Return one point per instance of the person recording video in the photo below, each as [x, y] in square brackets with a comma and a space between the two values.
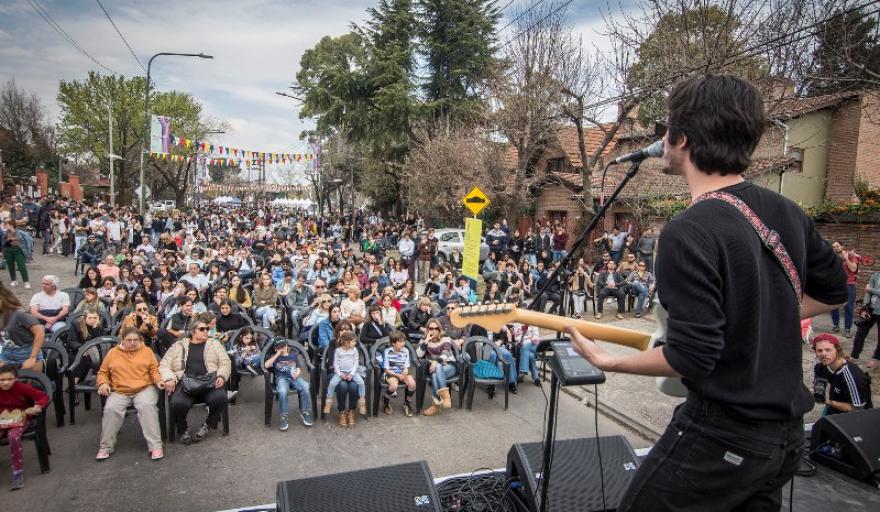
[840, 385]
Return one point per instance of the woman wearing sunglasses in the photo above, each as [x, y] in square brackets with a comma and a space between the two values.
[142, 320]
[195, 369]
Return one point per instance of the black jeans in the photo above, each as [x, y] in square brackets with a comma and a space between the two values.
[606, 292]
[709, 459]
[181, 403]
[862, 333]
[346, 391]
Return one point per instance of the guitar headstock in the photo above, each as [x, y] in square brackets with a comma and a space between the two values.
[488, 316]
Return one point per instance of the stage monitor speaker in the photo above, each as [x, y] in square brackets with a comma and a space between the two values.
[575, 482]
[403, 487]
[849, 443]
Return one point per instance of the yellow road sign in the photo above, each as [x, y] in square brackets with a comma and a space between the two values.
[475, 200]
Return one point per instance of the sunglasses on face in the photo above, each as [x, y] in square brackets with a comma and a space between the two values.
[141, 310]
[201, 329]
[433, 328]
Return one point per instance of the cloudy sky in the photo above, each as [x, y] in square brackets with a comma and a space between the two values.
[256, 46]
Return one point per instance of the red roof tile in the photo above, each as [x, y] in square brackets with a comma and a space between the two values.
[793, 107]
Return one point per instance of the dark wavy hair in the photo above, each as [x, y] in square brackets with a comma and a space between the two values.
[722, 117]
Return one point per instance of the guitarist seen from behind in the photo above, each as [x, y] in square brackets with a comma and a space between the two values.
[734, 307]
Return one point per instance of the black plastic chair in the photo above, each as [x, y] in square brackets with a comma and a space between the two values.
[269, 379]
[36, 430]
[476, 349]
[376, 354]
[87, 385]
[262, 337]
[76, 296]
[168, 420]
[76, 317]
[326, 374]
[422, 384]
[56, 363]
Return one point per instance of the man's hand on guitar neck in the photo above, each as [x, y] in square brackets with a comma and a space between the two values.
[651, 362]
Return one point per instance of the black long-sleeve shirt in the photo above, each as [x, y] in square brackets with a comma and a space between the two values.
[734, 321]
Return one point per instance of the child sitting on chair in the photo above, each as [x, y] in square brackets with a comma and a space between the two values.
[345, 367]
[395, 367]
[245, 351]
[18, 401]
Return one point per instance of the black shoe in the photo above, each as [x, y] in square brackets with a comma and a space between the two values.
[512, 388]
[491, 391]
[537, 382]
[186, 438]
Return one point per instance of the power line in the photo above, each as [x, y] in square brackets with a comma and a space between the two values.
[533, 25]
[141, 64]
[539, 2]
[64, 35]
[740, 55]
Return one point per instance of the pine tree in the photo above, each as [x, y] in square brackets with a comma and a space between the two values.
[848, 55]
[457, 44]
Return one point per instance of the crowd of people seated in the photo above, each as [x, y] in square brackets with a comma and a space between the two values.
[190, 298]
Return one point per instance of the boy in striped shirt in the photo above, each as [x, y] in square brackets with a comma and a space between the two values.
[395, 365]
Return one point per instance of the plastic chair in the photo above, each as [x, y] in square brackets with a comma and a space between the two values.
[262, 337]
[326, 371]
[76, 317]
[269, 379]
[76, 296]
[56, 362]
[169, 427]
[87, 385]
[376, 353]
[36, 430]
[476, 349]
[422, 384]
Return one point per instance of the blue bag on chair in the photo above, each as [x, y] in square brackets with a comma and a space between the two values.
[486, 370]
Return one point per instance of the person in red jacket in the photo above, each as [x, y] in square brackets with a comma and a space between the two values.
[18, 402]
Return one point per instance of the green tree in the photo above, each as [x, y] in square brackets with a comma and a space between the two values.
[458, 46]
[689, 39]
[847, 56]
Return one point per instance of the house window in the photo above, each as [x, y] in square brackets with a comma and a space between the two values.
[556, 165]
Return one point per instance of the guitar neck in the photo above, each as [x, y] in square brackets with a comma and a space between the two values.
[617, 335]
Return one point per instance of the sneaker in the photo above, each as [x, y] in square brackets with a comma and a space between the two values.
[598, 316]
[201, 433]
[186, 438]
[619, 316]
[230, 395]
[282, 423]
[103, 454]
[13, 284]
[537, 382]
[835, 328]
[27, 286]
[17, 480]
[387, 409]
[491, 391]
[847, 334]
[306, 418]
[407, 409]
[638, 315]
[362, 406]
[512, 388]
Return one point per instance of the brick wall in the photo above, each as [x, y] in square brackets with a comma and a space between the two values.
[863, 238]
[868, 161]
[843, 149]
[42, 182]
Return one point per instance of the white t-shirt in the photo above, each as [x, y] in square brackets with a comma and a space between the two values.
[46, 302]
[114, 229]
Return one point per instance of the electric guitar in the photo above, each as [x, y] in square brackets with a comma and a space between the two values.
[494, 316]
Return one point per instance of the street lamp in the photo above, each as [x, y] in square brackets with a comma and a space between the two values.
[111, 157]
[147, 114]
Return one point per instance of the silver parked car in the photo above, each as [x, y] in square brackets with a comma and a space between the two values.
[450, 239]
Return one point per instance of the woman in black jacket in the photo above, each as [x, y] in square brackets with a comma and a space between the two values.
[90, 279]
[374, 328]
[87, 327]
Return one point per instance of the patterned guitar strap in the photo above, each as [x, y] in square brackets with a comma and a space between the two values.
[769, 238]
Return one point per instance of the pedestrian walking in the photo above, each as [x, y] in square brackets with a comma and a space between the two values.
[14, 254]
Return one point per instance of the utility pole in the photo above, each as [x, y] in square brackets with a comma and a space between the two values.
[109, 154]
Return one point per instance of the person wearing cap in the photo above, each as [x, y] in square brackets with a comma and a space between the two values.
[288, 374]
[90, 252]
[838, 384]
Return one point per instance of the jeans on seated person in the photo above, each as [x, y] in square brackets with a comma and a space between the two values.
[439, 378]
[88, 258]
[606, 292]
[528, 359]
[148, 416]
[182, 402]
[267, 315]
[356, 378]
[346, 396]
[511, 364]
[283, 385]
[641, 291]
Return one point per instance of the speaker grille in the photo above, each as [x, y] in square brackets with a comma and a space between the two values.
[404, 487]
[575, 481]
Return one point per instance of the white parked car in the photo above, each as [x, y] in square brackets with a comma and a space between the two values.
[449, 239]
[164, 204]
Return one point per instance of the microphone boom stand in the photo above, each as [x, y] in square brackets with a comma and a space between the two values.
[549, 436]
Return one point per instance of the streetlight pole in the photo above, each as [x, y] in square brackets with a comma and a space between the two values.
[147, 114]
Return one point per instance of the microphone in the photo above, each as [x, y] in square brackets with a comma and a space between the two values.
[655, 150]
